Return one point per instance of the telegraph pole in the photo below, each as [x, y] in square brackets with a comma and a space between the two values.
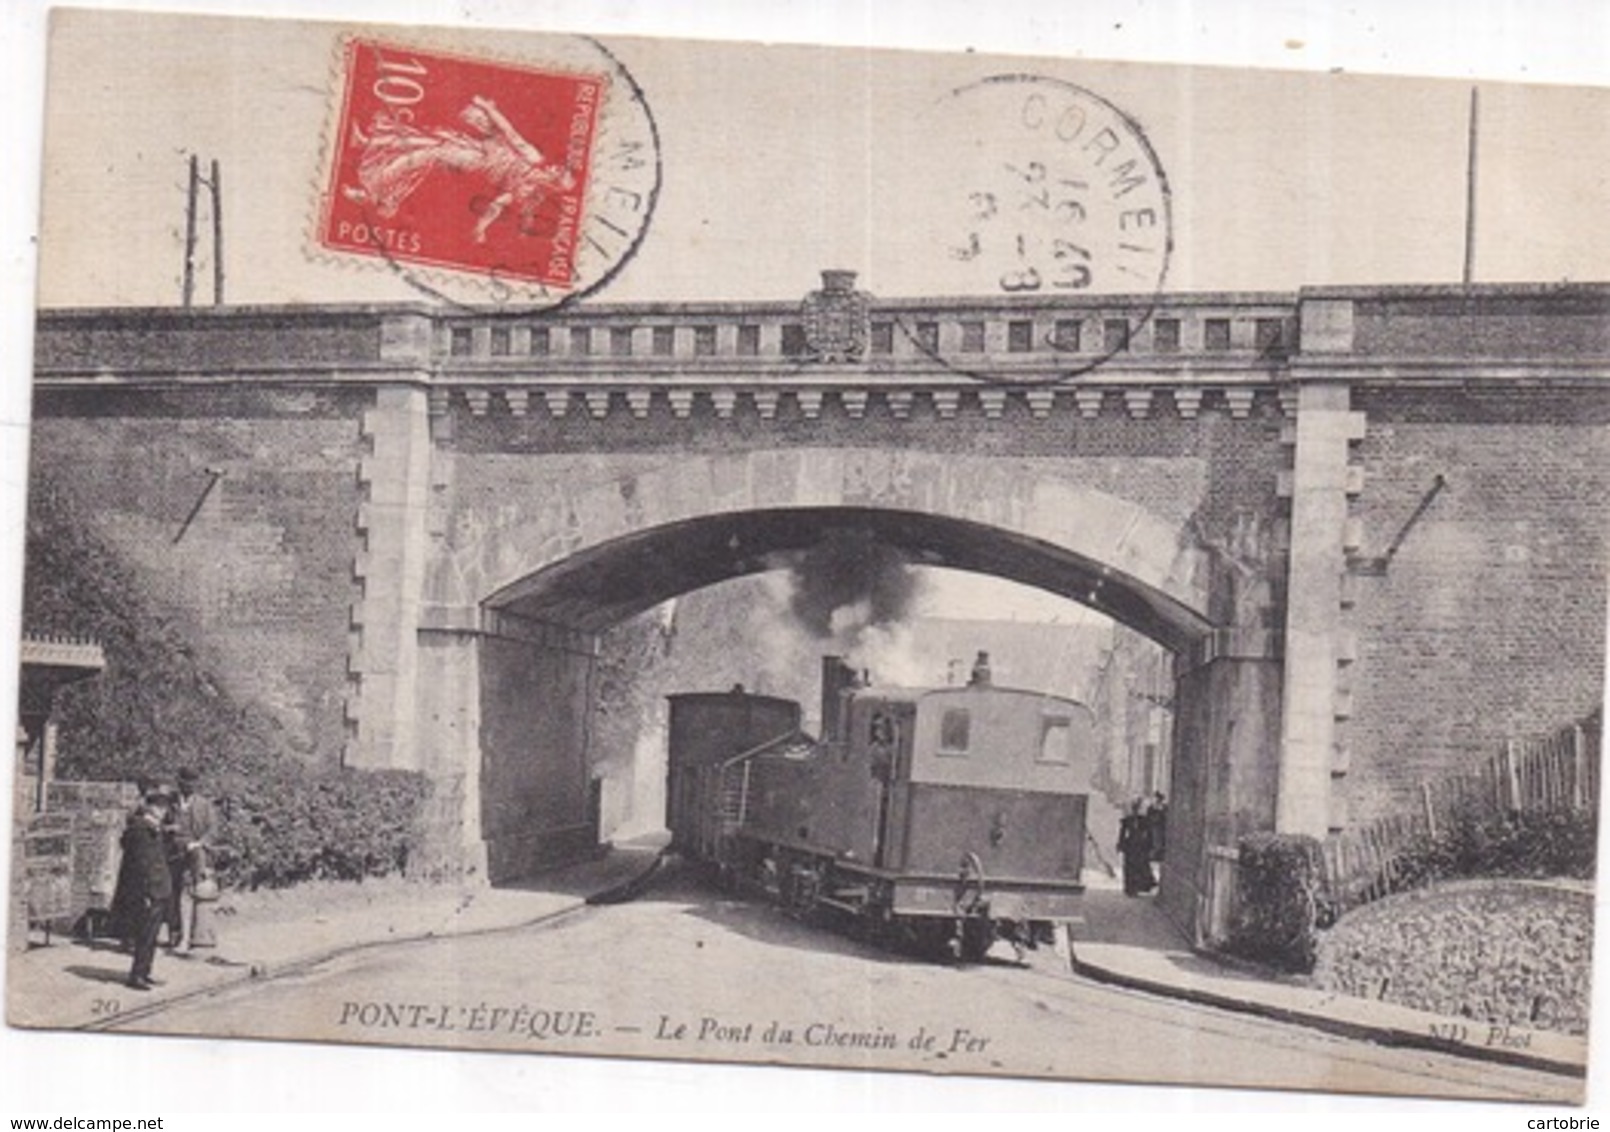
[214, 183]
[1470, 193]
[189, 291]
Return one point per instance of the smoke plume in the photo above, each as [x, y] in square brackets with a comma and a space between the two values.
[849, 581]
[853, 595]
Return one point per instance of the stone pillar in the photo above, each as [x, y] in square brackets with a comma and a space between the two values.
[1225, 766]
[1325, 425]
[502, 726]
[535, 713]
[383, 668]
[448, 737]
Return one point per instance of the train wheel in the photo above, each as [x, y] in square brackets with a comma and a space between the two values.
[802, 884]
[973, 936]
[918, 935]
[874, 925]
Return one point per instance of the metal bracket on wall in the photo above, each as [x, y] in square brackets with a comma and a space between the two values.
[1377, 567]
[213, 476]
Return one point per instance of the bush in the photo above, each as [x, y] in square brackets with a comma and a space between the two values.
[285, 818]
[1279, 901]
[279, 829]
[1552, 843]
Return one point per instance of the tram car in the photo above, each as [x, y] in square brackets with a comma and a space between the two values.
[933, 817]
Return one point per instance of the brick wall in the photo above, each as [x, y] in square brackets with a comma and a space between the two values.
[1489, 622]
[1551, 323]
[261, 580]
[204, 340]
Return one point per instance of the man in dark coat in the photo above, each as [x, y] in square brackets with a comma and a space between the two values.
[1135, 844]
[146, 859]
[123, 919]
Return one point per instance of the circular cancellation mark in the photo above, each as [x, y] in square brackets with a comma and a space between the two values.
[1044, 192]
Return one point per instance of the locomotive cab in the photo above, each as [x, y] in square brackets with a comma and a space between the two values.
[996, 790]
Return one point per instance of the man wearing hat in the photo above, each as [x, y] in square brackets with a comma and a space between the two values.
[123, 918]
[192, 824]
[150, 882]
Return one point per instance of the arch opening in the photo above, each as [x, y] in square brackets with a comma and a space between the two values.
[603, 585]
[546, 714]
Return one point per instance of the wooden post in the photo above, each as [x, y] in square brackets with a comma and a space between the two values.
[1470, 192]
[1512, 776]
[1579, 768]
[1431, 811]
[217, 236]
[189, 292]
[47, 763]
[1559, 755]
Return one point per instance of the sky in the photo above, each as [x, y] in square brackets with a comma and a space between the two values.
[780, 161]
[1279, 181]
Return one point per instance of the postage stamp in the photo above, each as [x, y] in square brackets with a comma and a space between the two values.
[480, 169]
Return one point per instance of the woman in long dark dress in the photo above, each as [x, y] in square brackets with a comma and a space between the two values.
[1135, 846]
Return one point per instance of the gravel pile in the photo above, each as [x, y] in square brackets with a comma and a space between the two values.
[1495, 951]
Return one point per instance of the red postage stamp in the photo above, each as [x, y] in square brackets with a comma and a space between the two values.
[458, 163]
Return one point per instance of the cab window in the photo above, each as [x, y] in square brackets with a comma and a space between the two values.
[955, 728]
[1056, 742]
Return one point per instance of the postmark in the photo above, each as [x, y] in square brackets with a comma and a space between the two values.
[483, 180]
[1048, 192]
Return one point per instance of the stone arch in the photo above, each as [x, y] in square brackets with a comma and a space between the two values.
[542, 571]
[584, 559]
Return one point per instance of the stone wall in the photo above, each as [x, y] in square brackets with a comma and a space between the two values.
[523, 489]
[534, 780]
[1228, 709]
[99, 811]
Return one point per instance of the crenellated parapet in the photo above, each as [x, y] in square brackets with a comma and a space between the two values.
[844, 350]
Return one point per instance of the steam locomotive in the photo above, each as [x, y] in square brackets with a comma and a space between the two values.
[943, 817]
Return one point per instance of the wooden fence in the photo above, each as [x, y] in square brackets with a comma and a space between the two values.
[1552, 772]
[1215, 910]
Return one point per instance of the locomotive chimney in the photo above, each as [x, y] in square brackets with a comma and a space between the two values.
[981, 674]
[837, 678]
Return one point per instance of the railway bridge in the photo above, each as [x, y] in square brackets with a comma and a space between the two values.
[1369, 523]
